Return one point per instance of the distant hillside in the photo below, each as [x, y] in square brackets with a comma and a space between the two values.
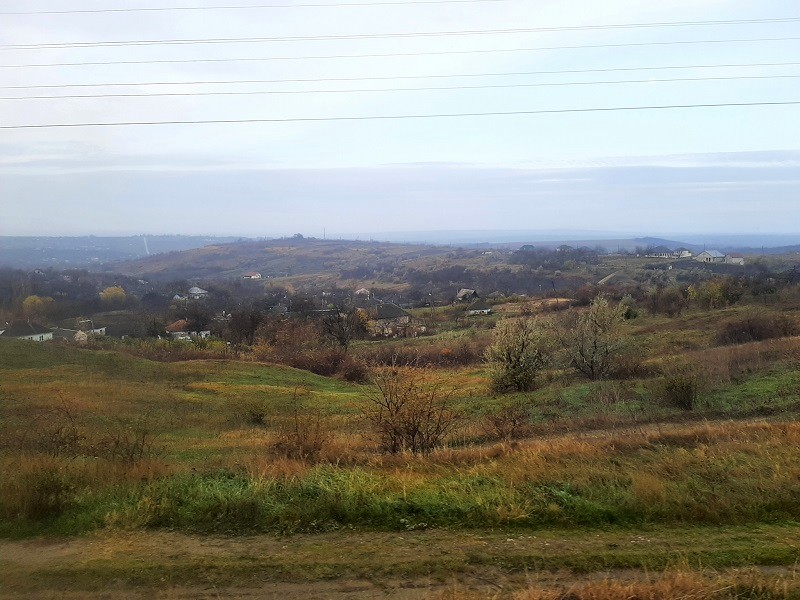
[610, 245]
[88, 251]
[281, 258]
[613, 241]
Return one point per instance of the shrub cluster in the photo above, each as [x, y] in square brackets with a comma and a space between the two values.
[463, 352]
[756, 328]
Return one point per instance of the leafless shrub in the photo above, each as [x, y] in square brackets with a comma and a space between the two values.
[127, 442]
[305, 435]
[410, 412]
[462, 352]
[608, 393]
[755, 328]
[353, 369]
[54, 432]
[507, 423]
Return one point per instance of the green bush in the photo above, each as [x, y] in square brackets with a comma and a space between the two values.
[681, 391]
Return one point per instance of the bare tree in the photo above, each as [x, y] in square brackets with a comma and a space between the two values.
[244, 324]
[342, 325]
[592, 339]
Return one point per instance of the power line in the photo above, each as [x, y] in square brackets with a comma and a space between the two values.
[252, 7]
[393, 54]
[406, 89]
[408, 34]
[397, 77]
[398, 117]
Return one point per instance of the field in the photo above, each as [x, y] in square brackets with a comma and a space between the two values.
[236, 478]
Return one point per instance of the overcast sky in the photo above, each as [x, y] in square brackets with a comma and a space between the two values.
[694, 170]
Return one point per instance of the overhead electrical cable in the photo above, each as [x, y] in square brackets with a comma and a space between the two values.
[399, 117]
[394, 54]
[406, 89]
[245, 7]
[407, 34]
[396, 77]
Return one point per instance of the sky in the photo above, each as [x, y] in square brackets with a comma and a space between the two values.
[713, 169]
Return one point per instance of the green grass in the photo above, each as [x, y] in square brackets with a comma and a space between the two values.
[213, 469]
[725, 474]
[164, 560]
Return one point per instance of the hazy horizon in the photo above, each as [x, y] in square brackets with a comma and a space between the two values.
[711, 169]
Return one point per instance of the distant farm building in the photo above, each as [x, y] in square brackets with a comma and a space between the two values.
[71, 335]
[734, 258]
[27, 331]
[390, 319]
[466, 295]
[479, 308]
[664, 252]
[183, 330]
[710, 256]
[196, 293]
[660, 252]
[252, 275]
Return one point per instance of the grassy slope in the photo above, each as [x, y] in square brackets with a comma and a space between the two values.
[625, 495]
[216, 474]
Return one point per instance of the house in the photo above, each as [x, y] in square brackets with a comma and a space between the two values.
[182, 330]
[479, 308]
[27, 331]
[734, 258]
[72, 335]
[682, 253]
[390, 319]
[660, 252]
[81, 325]
[710, 256]
[252, 275]
[363, 292]
[466, 295]
[196, 293]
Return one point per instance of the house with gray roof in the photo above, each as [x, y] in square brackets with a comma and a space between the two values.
[27, 331]
[196, 293]
[479, 308]
[466, 295]
[390, 319]
[710, 256]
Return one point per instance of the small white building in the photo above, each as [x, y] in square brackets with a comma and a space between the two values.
[182, 330]
[479, 308]
[196, 293]
[71, 335]
[660, 252]
[252, 275]
[710, 256]
[27, 331]
[734, 258]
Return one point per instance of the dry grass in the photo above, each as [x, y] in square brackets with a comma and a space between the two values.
[671, 585]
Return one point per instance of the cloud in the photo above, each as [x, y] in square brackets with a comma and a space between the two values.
[710, 195]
